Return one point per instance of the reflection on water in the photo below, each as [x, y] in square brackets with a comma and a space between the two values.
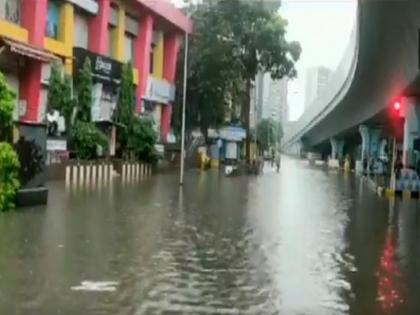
[299, 242]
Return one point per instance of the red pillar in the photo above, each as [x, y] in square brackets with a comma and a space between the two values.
[98, 28]
[142, 48]
[30, 89]
[171, 48]
[34, 16]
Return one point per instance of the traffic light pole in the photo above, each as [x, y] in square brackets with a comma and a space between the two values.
[392, 182]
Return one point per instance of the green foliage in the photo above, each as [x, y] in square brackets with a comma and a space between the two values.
[60, 95]
[124, 113]
[269, 133]
[9, 170]
[7, 97]
[86, 137]
[233, 41]
[84, 92]
[142, 139]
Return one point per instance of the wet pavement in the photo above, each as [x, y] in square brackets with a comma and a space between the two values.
[304, 241]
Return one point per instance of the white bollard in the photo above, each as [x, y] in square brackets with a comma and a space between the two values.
[110, 168]
[81, 175]
[123, 171]
[105, 173]
[141, 170]
[67, 175]
[88, 175]
[129, 171]
[74, 174]
[100, 174]
[94, 166]
[137, 171]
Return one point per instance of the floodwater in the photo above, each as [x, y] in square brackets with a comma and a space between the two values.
[301, 242]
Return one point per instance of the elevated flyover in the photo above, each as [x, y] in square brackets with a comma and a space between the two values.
[380, 63]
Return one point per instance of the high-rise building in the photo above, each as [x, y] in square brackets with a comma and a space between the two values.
[271, 98]
[316, 80]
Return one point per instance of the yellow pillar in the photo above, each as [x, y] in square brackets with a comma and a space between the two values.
[66, 34]
[118, 36]
[158, 56]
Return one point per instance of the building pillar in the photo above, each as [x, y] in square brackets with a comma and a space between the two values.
[143, 45]
[34, 16]
[158, 55]
[171, 48]
[98, 28]
[30, 90]
[118, 43]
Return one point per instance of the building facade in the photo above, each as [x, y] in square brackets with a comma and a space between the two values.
[316, 80]
[148, 33]
[271, 98]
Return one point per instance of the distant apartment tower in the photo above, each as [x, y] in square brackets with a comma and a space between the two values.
[271, 98]
[316, 81]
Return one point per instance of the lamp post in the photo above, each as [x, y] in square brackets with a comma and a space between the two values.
[184, 102]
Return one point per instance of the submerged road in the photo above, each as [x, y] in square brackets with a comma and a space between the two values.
[301, 242]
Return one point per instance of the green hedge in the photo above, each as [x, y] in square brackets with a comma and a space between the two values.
[9, 172]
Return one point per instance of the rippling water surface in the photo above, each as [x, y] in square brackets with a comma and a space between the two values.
[301, 242]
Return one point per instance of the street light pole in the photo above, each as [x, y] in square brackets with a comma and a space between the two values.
[184, 102]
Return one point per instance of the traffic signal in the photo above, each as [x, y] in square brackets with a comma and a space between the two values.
[397, 118]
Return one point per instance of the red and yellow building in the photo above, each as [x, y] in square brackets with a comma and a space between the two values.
[146, 32]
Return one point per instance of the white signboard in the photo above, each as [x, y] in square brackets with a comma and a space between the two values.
[159, 91]
[89, 5]
[56, 145]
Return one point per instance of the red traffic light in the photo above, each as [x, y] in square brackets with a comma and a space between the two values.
[397, 105]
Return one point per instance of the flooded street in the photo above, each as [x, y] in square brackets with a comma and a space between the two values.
[303, 241]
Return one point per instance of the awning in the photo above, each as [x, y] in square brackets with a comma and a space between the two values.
[29, 51]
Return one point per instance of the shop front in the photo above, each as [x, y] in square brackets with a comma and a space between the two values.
[21, 64]
[157, 102]
[106, 75]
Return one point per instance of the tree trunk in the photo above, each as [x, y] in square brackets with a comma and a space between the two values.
[246, 113]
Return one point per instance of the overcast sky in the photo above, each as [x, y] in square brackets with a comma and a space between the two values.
[323, 28]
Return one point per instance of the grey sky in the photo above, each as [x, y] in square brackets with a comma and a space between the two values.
[323, 28]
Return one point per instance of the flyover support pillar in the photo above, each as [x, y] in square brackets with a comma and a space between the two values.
[337, 146]
[371, 145]
[411, 131]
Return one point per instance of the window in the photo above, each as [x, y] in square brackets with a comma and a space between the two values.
[10, 10]
[110, 40]
[128, 47]
[52, 20]
[152, 59]
[81, 31]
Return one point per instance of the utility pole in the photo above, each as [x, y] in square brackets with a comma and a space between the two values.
[184, 102]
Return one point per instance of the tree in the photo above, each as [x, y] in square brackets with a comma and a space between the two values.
[86, 138]
[212, 71]
[125, 111]
[84, 92]
[269, 133]
[258, 36]
[233, 41]
[60, 95]
[142, 139]
[7, 97]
